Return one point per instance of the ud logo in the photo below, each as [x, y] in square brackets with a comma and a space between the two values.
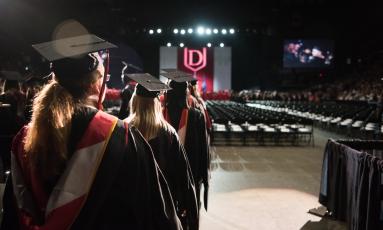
[195, 60]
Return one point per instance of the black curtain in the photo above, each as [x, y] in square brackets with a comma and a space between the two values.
[351, 183]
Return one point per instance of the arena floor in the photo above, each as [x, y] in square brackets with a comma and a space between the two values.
[267, 188]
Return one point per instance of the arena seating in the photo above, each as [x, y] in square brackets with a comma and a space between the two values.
[279, 122]
[354, 119]
[235, 123]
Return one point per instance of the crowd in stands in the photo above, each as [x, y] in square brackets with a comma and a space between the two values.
[220, 95]
[361, 89]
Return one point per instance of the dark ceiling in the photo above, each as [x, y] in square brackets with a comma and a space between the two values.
[24, 22]
[34, 19]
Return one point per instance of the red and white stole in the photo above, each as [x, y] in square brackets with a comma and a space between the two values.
[70, 193]
[182, 127]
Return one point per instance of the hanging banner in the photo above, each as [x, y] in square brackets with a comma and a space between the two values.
[199, 62]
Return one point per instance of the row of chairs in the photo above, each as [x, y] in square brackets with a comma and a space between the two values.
[261, 134]
[235, 123]
[354, 119]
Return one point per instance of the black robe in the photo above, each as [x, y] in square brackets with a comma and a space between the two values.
[129, 191]
[126, 95]
[173, 162]
[196, 147]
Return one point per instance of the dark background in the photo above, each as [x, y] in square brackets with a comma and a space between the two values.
[257, 46]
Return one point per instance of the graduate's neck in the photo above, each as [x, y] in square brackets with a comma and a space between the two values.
[92, 101]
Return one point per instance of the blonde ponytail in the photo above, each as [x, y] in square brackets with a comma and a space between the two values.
[48, 132]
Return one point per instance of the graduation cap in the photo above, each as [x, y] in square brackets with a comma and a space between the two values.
[72, 47]
[11, 75]
[193, 82]
[74, 57]
[148, 85]
[34, 80]
[177, 75]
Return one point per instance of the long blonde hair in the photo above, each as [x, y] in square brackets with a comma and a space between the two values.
[47, 136]
[146, 116]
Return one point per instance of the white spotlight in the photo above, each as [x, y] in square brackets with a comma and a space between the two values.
[208, 31]
[215, 31]
[221, 44]
[200, 30]
[231, 31]
[175, 31]
[224, 31]
[182, 44]
[183, 31]
[209, 44]
[190, 30]
[159, 31]
[169, 44]
[151, 31]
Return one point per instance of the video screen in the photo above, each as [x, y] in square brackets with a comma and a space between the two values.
[300, 53]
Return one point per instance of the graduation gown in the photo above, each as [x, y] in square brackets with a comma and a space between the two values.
[173, 162]
[191, 128]
[198, 103]
[126, 95]
[111, 181]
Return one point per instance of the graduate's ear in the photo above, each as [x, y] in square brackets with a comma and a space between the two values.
[99, 78]
[95, 87]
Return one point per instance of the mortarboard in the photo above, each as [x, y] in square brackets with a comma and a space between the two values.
[34, 80]
[177, 75]
[193, 82]
[74, 57]
[148, 85]
[72, 47]
[12, 75]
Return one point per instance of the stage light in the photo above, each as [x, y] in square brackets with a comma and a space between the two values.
[190, 30]
[221, 44]
[151, 32]
[175, 31]
[209, 44]
[215, 31]
[224, 31]
[208, 31]
[169, 44]
[159, 31]
[183, 31]
[231, 31]
[26, 68]
[200, 30]
[182, 44]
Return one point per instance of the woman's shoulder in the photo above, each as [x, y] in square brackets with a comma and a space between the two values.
[195, 113]
[20, 136]
[168, 130]
[18, 142]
